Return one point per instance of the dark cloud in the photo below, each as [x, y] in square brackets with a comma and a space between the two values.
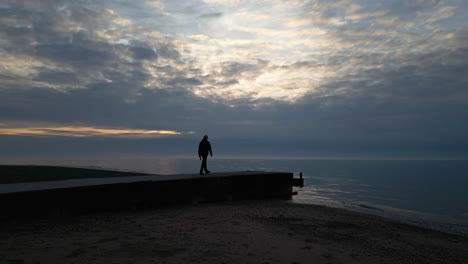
[408, 9]
[85, 54]
[236, 68]
[182, 81]
[64, 38]
[168, 51]
[421, 103]
[143, 53]
[212, 15]
[228, 73]
[53, 77]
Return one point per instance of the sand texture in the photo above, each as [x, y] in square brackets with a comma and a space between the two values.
[235, 232]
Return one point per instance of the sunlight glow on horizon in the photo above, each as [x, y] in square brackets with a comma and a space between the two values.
[86, 131]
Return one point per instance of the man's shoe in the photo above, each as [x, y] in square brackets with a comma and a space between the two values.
[207, 172]
[201, 173]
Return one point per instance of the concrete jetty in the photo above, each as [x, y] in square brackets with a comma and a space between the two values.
[74, 196]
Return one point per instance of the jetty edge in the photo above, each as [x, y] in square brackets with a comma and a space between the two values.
[83, 195]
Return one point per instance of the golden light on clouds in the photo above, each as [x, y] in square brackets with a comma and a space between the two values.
[18, 65]
[86, 131]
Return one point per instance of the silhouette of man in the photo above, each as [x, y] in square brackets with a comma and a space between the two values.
[203, 149]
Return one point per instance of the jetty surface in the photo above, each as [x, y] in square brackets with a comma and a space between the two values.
[66, 192]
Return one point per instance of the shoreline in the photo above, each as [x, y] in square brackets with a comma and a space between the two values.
[415, 218]
[232, 232]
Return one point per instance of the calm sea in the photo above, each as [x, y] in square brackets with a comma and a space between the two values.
[432, 193]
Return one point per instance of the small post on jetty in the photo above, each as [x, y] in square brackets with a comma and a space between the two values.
[298, 182]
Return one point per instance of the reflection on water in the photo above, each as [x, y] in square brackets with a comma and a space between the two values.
[416, 189]
[151, 165]
[349, 194]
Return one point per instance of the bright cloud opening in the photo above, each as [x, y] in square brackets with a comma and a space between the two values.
[86, 131]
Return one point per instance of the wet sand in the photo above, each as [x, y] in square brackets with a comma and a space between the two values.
[232, 232]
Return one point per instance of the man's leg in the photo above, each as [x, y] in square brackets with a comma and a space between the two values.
[206, 165]
[203, 164]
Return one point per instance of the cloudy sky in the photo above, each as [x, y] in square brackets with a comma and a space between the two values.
[295, 78]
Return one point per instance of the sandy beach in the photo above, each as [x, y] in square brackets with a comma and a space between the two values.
[232, 232]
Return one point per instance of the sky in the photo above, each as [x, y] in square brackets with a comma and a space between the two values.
[296, 78]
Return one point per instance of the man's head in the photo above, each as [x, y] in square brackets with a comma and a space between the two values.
[205, 137]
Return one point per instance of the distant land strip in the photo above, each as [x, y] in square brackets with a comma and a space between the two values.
[34, 173]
